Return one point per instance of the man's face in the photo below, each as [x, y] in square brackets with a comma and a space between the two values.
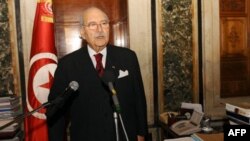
[95, 29]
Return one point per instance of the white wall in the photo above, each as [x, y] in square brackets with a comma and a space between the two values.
[140, 34]
[28, 8]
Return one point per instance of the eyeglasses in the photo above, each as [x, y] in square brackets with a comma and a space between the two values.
[94, 25]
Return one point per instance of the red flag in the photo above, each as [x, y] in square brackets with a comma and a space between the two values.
[43, 62]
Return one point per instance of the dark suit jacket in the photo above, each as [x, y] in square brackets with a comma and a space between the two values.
[90, 110]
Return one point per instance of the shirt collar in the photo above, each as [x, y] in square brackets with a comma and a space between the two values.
[92, 52]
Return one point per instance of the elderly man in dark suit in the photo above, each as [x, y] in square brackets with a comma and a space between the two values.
[90, 109]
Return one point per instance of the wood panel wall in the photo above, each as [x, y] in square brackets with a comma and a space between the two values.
[68, 20]
[234, 50]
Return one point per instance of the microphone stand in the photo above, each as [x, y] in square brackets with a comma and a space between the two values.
[73, 86]
[117, 111]
[22, 116]
[116, 126]
[123, 127]
[108, 78]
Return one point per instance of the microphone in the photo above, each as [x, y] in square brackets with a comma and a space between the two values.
[59, 101]
[108, 78]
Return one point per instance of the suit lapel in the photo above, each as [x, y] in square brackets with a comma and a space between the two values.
[111, 61]
[85, 64]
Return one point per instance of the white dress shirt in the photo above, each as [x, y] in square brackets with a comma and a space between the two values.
[92, 53]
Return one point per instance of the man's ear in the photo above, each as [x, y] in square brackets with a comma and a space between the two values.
[82, 32]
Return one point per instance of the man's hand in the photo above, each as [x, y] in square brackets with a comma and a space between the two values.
[140, 138]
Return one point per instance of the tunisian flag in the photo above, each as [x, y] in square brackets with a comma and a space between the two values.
[42, 65]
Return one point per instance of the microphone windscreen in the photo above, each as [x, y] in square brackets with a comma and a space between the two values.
[74, 85]
[108, 76]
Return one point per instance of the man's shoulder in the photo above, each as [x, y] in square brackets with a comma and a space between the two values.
[120, 50]
[73, 55]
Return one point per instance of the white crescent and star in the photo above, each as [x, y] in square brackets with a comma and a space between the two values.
[42, 80]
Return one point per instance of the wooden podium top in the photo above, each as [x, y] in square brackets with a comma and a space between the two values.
[200, 137]
[211, 137]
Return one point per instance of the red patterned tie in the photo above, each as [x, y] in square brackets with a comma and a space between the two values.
[99, 67]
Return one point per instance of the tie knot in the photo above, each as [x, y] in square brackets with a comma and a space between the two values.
[98, 57]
